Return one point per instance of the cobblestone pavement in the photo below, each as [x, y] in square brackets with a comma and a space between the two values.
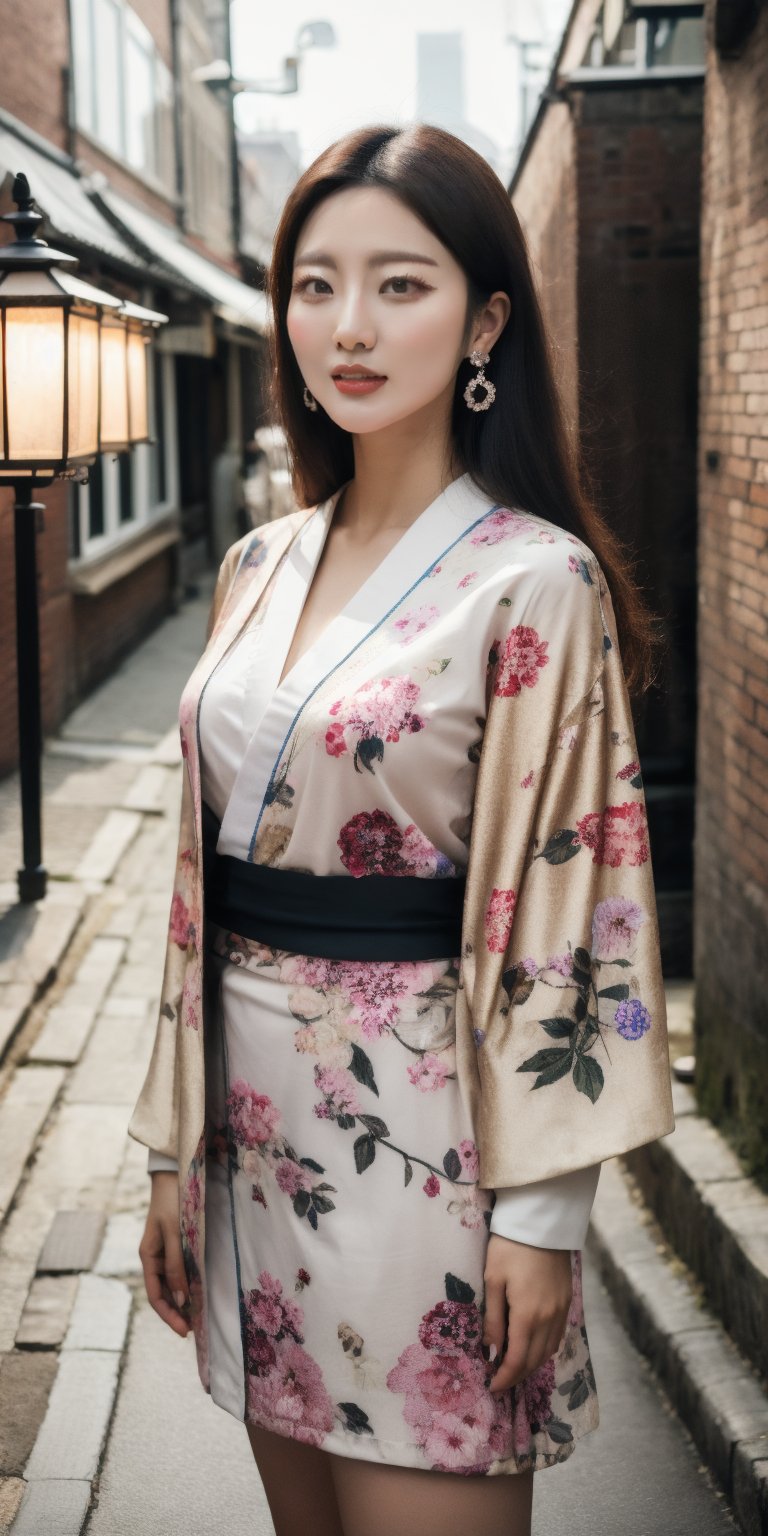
[104, 1427]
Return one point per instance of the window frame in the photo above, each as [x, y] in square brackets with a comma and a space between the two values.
[145, 510]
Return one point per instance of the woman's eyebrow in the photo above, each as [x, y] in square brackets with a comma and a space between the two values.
[380, 259]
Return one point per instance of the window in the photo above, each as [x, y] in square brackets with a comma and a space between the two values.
[123, 90]
[126, 491]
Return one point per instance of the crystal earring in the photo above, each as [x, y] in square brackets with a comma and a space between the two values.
[480, 359]
[309, 400]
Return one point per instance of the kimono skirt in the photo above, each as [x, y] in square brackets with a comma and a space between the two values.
[346, 1311]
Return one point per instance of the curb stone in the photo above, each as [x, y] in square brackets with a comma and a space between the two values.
[719, 1398]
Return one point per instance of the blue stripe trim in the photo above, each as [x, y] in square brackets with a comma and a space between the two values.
[362, 641]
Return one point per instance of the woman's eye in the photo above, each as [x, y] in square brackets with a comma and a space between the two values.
[304, 285]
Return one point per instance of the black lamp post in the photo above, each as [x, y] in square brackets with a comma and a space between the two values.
[54, 364]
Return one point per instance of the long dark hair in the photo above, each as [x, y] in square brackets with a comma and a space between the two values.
[518, 452]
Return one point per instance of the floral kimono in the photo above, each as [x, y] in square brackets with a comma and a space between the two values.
[341, 1126]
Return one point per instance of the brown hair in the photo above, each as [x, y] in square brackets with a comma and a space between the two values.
[518, 452]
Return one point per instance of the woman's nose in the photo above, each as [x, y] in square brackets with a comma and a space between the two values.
[354, 326]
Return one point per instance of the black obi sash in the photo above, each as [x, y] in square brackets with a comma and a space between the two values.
[338, 917]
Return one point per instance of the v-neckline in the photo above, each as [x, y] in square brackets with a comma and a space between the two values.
[271, 710]
[310, 543]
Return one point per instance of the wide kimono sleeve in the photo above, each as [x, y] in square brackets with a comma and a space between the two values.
[155, 1117]
[562, 1048]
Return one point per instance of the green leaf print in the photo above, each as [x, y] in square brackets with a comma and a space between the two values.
[458, 1290]
[550, 1064]
[452, 1164]
[588, 1077]
[361, 1068]
[558, 1027]
[561, 846]
[620, 991]
[365, 1152]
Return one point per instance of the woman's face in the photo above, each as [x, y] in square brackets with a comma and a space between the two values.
[373, 286]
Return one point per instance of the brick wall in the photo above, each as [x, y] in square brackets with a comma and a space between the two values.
[35, 52]
[731, 850]
[608, 197]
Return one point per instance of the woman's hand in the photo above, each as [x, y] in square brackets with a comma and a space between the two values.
[165, 1279]
[536, 1285]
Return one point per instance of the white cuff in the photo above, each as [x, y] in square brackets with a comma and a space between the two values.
[157, 1162]
[553, 1213]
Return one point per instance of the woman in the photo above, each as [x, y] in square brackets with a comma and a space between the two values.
[383, 1099]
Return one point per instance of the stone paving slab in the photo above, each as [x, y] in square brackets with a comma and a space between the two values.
[100, 1315]
[72, 1433]
[106, 849]
[72, 1242]
[23, 1111]
[719, 1398]
[56, 1507]
[64, 1033]
[46, 1314]
[25, 1383]
[148, 790]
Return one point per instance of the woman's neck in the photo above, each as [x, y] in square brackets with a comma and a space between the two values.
[392, 484]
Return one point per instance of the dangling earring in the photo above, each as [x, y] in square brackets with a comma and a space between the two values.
[309, 400]
[480, 359]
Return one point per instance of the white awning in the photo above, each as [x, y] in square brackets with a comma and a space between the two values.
[61, 197]
[232, 299]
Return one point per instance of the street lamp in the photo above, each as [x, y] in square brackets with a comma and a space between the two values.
[72, 383]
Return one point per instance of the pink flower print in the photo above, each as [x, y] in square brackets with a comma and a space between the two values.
[456, 1441]
[618, 835]
[180, 924]
[183, 741]
[371, 844]
[431, 1187]
[338, 1086]
[533, 1406]
[375, 713]
[563, 964]
[470, 1160]
[253, 1118]
[528, 780]
[421, 857]
[412, 623]
[615, 924]
[529, 966]
[629, 771]
[191, 996]
[290, 1398]
[451, 1325]
[498, 919]
[430, 1073]
[516, 664]
[498, 525]
[292, 1177]
[466, 581]
[335, 745]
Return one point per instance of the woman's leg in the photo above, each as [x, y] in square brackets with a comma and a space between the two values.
[298, 1483]
[381, 1500]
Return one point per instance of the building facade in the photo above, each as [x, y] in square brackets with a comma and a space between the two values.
[608, 193]
[131, 160]
[731, 851]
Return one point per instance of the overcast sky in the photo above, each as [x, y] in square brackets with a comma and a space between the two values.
[370, 76]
